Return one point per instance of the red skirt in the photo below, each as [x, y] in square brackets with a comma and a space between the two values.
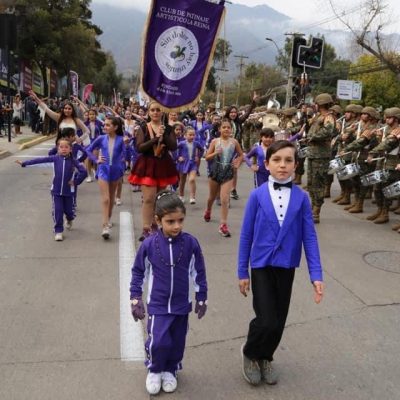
[154, 171]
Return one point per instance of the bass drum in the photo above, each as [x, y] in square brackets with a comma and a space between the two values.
[269, 120]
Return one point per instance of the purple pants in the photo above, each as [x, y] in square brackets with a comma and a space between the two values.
[165, 344]
[260, 178]
[62, 205]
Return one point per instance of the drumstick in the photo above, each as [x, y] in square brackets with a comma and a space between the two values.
[341, 155]
[375, 159]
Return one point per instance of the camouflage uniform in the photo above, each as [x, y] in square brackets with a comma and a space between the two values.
[390, 147]
[367, 139]
[319, 136]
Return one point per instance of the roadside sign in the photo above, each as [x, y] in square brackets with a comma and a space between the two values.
[349, 90]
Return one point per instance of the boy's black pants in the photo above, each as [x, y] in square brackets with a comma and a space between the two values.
[272, 289]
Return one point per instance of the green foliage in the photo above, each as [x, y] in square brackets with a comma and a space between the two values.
[222, 51]
[59, 34]
[380, 88]
[107, 79]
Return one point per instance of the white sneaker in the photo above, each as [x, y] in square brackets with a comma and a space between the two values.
[110, 224]
[58, 237]
[118, 201]
[169, 382]
[192, 200]
[89, 179]
[153, 383]
[182, 199]
[68, 225]
[106, 232]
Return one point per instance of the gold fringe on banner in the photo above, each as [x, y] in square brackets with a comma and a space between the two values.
[207, 70]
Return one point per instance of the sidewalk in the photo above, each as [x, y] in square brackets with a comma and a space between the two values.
[25, 140]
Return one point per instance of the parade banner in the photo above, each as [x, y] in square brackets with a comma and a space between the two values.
[74, 79]
[178, 49]
[86, 91]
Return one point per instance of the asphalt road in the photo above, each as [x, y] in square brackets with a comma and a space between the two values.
[60, 329]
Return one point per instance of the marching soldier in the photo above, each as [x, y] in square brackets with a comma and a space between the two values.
[390, 147]
[337, 111]
[348, 130]
[322, 131]
[366, 140]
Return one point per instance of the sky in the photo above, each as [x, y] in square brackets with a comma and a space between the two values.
[306, 12]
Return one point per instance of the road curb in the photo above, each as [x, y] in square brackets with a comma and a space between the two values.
[38, 140]
[4, 154]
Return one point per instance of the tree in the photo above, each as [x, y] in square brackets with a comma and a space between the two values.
[367, 33]
[380, 88]
[107, 79]
[60, 35]
[222, 51]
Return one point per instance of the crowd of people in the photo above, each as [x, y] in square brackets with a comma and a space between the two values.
[161, 152]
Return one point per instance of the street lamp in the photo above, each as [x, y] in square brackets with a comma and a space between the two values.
[273, 41]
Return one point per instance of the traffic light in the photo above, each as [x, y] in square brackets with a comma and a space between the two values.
[311, 55]
[297, 42]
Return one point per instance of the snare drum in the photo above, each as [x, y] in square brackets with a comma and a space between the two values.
[303, 152]
[380, 175]
[348, 171]
[335, 165]
[392, 191]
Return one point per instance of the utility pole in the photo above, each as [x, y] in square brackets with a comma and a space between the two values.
[241, 65]
[290, 77]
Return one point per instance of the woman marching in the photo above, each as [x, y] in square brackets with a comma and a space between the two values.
[232, 113]
[110, 166]
[226, 156]
[154, 169]
[67, 118]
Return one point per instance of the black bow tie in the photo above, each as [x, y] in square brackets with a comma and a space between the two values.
[277, 185]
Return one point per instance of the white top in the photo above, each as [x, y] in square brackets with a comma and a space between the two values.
[64, 124]
[280, 198]
[17, 110]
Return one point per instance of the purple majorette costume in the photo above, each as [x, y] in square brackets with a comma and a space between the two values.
[262, 174]
[113, 169]
[79, 154]
[201, 131]
[189, 152]
[61, 190]
[95, 129]
[174, 269]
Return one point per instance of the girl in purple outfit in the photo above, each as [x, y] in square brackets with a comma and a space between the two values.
[189, 153]
[258, 152]
[172, 262]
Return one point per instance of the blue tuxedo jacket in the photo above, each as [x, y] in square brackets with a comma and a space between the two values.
[264, 243]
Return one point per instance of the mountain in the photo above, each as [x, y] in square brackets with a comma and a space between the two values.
[246, 29]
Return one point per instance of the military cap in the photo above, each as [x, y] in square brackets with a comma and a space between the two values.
[354, 108]
[337, 109]
[392, 112]
[371, 112]
[323, 98]
[359, 108]
[289, 111]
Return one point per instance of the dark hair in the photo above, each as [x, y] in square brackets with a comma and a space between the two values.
[267, 132]
[118, 123]
[167, 202]
[228, 111]
[65, 133]
[64, 139]
[224, 119]
[279, 145]
[62, 115]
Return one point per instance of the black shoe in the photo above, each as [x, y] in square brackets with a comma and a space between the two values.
[234, 195]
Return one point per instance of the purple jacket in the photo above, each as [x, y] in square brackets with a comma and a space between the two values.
[258, 152]
[64, 168]
[98, 129]
[174, 268]
[189, 163]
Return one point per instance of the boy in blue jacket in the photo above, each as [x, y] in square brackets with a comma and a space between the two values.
[277, 223]
[64, 183]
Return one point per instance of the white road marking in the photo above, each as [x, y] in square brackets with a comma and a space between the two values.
[131, 332]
